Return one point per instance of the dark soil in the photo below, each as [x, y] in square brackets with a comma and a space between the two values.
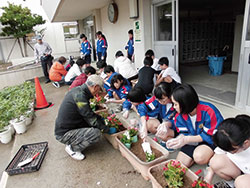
[158, 175]
[136, 148]
[99, 107]
[121, 128]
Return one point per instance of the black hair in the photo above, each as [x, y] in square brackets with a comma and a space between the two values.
[101, 64]
[90, 70]
[109, 69]
[99, 33]
[149, 53]
[232, 132]
[130, 32]
[117, 77]
[119, 53]
[83, 36]
[62, 60]
[187, 98]
[163, 60]
[80, 62]
[136, 94]
[164, 89]
[148, 61]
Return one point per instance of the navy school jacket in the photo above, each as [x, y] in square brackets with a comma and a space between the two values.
[207, 121]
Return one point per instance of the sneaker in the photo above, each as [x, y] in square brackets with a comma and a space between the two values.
[74, 154]
[221, 184]
[56, 84]
[47, 81]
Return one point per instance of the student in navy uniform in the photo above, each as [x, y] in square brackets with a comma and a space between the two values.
[101, 46]
[130, 45]
[163, 93]
[85, 49]
[119, 90]
[148, 109]
[110, 72]
[195, 122]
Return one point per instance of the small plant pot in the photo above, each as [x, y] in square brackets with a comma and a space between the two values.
[112, 130]
[128, 145]
[20, 127]
[28, 120]
[135, 139]
[5, 135]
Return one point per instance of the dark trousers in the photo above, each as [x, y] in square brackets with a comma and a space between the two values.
[46, 65]
[88, 59]
[130, 56]
[80, 139]
[99, 56]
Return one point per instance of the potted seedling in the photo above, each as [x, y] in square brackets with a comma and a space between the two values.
[5, 131]
[97, 104]
[126, 139]
[133, 132]
[115, 126]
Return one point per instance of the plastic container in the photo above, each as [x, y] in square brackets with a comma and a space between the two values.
[155, 183]
[25, 152]
[139, 165]
[20, 127]
[6, 135]
[215, 65]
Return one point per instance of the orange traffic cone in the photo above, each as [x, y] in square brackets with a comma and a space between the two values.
[41, 101]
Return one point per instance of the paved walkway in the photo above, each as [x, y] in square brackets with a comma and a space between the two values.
[103, 167]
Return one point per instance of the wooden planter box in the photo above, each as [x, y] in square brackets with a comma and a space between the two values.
[139, 165]
[159, 167]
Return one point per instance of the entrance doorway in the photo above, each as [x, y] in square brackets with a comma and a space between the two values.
[210, 28]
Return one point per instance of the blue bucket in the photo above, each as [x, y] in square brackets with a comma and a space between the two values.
[215, 65]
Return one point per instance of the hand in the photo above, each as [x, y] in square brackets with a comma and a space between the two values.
[162, 130]
[177, 142]
[125, 114]
[102, 57]
[143, 133]
[36, 61]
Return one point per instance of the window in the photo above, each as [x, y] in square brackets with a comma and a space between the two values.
[70, 30]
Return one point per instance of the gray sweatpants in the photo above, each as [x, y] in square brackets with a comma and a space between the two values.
[80, 139]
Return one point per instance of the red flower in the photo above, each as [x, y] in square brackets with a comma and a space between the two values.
[194, 183]
[155, 139]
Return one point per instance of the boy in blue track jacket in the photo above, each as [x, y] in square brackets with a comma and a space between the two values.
[85, 49]
[130, 45]
[101, 46]
[196, 122]
[148, 110]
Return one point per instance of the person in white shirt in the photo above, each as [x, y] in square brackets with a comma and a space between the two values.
[232, 155]
[42, 51]
[123, 66]
[74, 71]
[168, 74]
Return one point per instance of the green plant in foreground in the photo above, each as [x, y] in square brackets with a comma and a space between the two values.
[150, 157]
[174, 173]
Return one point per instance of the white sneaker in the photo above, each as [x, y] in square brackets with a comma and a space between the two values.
[56, 84]
[74, 154]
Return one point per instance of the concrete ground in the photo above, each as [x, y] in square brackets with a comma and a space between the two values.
[103, 167]
[221, 88]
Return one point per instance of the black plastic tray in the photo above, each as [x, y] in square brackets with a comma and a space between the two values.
[25, 152]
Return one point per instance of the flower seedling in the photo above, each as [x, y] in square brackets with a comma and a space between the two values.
[97, 100]
[126, 139]
[133, 131]
[200, 183]
[150, 157]
[174, 173]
